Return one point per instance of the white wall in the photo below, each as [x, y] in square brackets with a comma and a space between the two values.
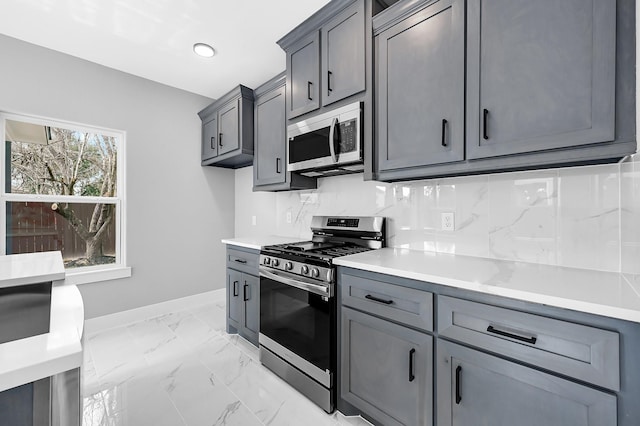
[177, 211]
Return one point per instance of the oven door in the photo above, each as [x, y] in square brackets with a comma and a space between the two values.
[297, 323]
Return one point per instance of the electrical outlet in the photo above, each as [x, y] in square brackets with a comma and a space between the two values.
[448, 221]
[253, 220]
[288, 217]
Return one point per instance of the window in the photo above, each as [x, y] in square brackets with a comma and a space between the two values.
[62, 189]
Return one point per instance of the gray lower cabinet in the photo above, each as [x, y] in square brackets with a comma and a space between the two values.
[243, 304]
[243, 293]
[420, 88]
[386, 369]
[270, 157]
[476, 389]
[227, 130]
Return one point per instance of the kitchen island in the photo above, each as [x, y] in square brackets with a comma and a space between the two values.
[40, 367]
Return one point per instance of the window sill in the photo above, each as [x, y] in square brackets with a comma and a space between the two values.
[91, 275]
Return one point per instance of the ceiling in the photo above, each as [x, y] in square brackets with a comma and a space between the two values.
[154, 38]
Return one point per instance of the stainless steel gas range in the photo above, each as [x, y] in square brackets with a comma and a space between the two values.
[298, 304]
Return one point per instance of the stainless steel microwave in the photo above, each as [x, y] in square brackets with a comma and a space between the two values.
[328, 143]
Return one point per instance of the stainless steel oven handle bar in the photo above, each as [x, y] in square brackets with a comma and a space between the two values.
[297, 282]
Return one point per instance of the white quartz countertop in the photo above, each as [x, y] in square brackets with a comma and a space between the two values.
[602, 293]
[32, 268]
[258, 242]
[36, 357]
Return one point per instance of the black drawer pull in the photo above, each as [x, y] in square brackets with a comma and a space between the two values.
[244, 291]
[235, 289]
[458, 377]
[375, 299]
[240, 260]
[213, 142]
[444, 134]
[309, 83]
[412, 376]
[485, 118]
[531, 339]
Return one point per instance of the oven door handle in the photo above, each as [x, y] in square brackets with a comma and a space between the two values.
[297, 282]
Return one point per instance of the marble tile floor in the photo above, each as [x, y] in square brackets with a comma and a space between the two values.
[183, 369]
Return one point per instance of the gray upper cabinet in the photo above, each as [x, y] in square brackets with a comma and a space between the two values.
[269, 161]
[210, 139]
[303, 71]
[228, 134]
[343, 54]
[227, 130]
[540, 75]
[479, 389]
[507, 85]
[420, 88]
[326, 56]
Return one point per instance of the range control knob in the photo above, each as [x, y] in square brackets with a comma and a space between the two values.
[315, 273]
[288, 266]
[275, 262]
[305, 269]
[266, 260]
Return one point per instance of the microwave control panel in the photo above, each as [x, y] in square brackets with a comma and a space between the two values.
[348, 136]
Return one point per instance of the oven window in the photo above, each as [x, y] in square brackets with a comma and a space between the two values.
[298, 320]
[309, 146]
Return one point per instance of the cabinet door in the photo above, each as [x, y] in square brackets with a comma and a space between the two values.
[229, 121]
[343, 54]
[476, 389]
[251, 299]
[234, 297]
[386, 369]
[420, 88]
[303, 75]
[270, 142]
[540, 75]
[210, 139]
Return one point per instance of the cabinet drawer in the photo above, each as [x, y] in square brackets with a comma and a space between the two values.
[245, 261]
[574, 350]
[400, 304]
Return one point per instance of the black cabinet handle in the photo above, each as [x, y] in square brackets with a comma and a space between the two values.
[213, 142]
[240, 260]
[375, 299]
[412, 353]
[244, 291]
[329, 74]
[458, 377]
[309, 84]
[235, 289]
[485, 119]
[278, 161]
[531, 339]
[444, 135]
[220, 139]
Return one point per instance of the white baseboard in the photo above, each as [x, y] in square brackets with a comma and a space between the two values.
[119, 319]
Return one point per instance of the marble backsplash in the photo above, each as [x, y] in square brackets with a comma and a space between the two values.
[585, 217]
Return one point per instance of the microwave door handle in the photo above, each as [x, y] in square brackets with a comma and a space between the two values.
[332, 142]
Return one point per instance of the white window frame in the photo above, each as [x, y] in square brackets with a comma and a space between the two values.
[87, 274]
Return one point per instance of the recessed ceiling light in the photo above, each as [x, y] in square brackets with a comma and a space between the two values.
[204, 50]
